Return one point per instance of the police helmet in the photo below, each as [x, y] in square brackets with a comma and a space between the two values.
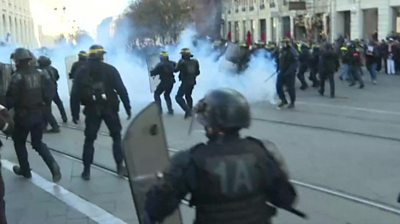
[96, 52]
[22, 54]
[164, 55]
[44, 61]
[223, 109]
[82, 55]
[186, 52]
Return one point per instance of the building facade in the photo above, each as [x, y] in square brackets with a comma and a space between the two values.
[16, 24]
[240, 17]
[320, 19]
[361, 19]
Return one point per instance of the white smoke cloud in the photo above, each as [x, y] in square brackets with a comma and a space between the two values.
[133, 69]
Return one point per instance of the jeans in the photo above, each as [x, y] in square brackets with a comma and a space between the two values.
[372, 70]
[344, 73]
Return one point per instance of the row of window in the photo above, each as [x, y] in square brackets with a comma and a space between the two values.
[19, 28]
[235, 6]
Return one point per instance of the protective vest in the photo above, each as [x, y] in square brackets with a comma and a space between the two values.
[189, 71]
[93, 90]
[232, 184]
[32, 95]
[167, 71]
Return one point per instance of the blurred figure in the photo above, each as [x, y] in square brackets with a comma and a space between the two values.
[81, 61]
[329, 64]
[188, 69]
[287, 66]
[165, 69]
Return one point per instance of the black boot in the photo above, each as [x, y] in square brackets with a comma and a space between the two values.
[55, 171]
[53, 130]
[86, 173]
[50, 162]
[121, 170]
[291, 106]
[17, 170]
[282, 104]
[188, 114]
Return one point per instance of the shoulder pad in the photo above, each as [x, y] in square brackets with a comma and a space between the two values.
[197, 147]
[255, 140]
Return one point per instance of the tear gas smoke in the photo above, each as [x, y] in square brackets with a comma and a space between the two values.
[133, 69]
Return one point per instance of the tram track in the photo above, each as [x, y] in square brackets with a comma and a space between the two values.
[376, 204]
[304, 184]
[310, 186]
[286, 123]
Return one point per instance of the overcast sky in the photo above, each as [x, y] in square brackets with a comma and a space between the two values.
[87, 13]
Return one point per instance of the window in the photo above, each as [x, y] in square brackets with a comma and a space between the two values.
[272, 3]
[262, 4]
[251, 6]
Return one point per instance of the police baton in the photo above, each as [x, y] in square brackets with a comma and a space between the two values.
[273, 74]
[297, 212]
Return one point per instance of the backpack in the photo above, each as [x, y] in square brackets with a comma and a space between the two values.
[93, 90]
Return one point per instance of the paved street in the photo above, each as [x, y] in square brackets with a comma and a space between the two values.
[348, 145]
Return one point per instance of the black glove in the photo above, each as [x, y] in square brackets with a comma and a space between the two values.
[129, 113]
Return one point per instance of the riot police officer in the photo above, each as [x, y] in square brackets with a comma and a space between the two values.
[45, 64]
[329, 64]
[287, 66]
[230, 178]
[165, 69]
[81, 61]
[314, 62]
[304, 60]
[30, 90]
[188, 69]
[98, 86]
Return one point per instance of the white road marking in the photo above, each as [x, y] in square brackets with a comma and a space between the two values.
[351, 108]
[91, 210]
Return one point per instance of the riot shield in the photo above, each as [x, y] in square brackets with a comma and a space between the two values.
[5, 77]
[69, 61]
[152, 61]
[232, 53]
[146, 154]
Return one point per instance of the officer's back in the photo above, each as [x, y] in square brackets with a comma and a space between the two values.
[97, 85]
[189, 68]
[230, 178]
[30, 89]
[165, 69]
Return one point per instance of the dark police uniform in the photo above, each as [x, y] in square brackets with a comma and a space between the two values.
[230, 179]
[314, 65]
[287, 66]
[76, 65]
[329, 64]
[189, 69]
[45, 64]
[165, 69]
[304, 60]
[97, 86]
[30, 90]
